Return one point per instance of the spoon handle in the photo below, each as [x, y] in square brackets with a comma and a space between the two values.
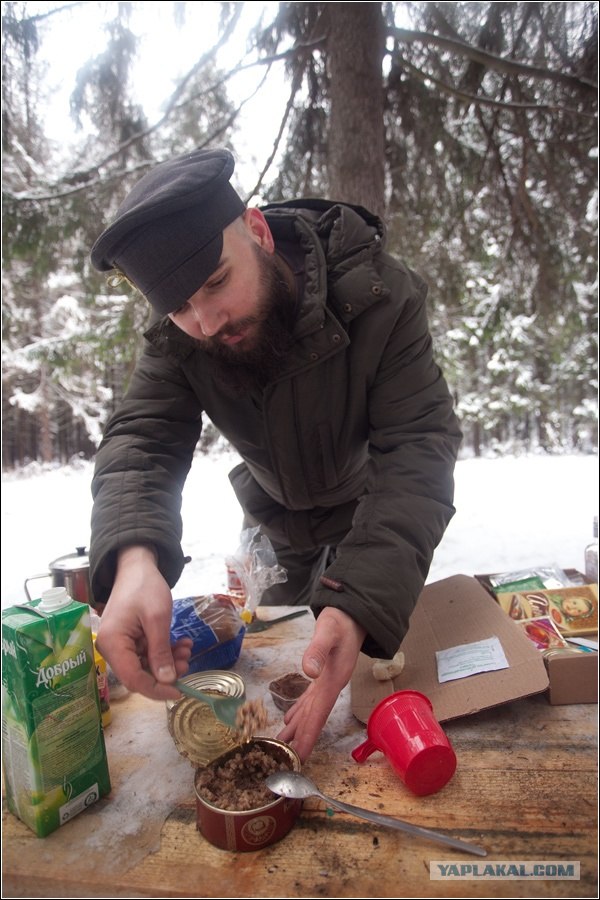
[263, 624]
[392, 822]
[196, 694]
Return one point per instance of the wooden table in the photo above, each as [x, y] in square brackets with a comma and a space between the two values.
[524, 789]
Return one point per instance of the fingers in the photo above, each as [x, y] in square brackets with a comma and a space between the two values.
[129, 660]
[334, 647]
[145, 683]
[317, 652]
[134, 672]
[306, 719]
[158, 646]
[182, 651]
[313, 660]
[134, 633]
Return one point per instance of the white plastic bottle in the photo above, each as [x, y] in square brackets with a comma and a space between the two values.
[591, 556]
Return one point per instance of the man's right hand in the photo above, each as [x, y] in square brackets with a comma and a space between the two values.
[134, 632]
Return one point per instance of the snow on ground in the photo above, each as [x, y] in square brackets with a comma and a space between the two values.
[512, 512]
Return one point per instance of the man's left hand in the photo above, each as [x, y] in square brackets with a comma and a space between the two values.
[329, 659]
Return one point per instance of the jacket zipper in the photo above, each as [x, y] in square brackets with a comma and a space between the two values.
[274, 463]
[300, 441]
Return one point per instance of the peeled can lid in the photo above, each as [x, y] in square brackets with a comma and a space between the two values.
[197, 733]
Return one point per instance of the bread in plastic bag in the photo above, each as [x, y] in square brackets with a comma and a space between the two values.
[213, 623]
[216, 623]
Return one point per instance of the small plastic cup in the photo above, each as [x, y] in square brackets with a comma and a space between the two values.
[404, 728]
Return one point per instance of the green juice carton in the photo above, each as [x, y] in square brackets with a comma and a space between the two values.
[53, 749]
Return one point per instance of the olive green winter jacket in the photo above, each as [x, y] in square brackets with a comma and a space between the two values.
[352, 445]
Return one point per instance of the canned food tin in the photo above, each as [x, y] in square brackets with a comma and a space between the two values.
[197, 733]
[255, 828]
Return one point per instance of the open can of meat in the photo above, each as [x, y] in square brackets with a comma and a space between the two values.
[197, 733]
[250, 828]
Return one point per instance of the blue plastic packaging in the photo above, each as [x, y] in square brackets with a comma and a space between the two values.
[213, 623]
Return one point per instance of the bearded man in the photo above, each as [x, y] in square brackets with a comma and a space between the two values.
[308, 347]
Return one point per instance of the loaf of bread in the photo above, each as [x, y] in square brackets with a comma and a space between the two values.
[209, 620]
[221, 614]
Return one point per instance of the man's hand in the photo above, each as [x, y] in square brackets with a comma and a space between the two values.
[329, 659]
[134, 629]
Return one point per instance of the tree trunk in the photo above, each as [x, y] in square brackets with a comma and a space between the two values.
[355, 49]
[44, 420]
[476, 439]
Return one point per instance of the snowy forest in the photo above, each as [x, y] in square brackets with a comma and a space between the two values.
[470, 127]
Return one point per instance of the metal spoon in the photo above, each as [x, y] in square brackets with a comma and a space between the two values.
[293, 784]
[224, 708]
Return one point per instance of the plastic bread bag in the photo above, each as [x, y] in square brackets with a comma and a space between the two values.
[216, 623]
[256, 567]
[213, 623]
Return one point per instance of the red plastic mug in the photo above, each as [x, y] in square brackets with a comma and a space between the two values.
[404, 728]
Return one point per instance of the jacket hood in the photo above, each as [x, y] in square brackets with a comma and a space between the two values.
[344, 226]
[341, 244]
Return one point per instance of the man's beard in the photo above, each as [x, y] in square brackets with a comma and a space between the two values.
[246, 369]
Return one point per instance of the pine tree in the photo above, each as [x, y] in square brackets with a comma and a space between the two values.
[471, 127]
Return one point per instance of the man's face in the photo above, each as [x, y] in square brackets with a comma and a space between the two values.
[242, 315]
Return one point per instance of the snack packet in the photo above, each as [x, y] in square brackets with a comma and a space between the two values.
[536, 578]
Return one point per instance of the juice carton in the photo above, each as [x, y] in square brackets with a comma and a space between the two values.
[53, 748]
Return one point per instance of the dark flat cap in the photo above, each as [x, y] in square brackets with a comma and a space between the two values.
[167, 237]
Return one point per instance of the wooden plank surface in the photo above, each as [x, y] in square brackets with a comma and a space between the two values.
[524, 789]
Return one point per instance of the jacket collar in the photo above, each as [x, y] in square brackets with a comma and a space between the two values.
[341, 244]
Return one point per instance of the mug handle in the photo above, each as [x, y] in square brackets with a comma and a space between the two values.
[364, 750]
[34, 578]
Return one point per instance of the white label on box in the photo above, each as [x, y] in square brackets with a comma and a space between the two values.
[470, 659]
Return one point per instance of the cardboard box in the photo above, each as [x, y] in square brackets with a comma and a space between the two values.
[573, 677]
[572, 674]
[450, 613]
